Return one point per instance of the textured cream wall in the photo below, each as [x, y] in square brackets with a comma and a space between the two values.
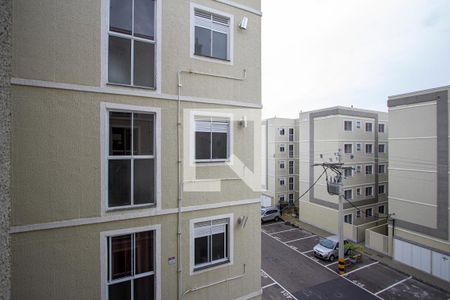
[56, 155]
[65, 263]
[59, 41]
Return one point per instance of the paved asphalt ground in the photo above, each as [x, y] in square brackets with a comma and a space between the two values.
[290, 271]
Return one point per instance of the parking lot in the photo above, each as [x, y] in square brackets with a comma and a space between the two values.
[290, 271]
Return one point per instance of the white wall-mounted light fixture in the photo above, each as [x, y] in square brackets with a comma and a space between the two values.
[242, 220]
[243, 122]
[244, 23]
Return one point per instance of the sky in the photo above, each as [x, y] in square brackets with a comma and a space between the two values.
[322, 53]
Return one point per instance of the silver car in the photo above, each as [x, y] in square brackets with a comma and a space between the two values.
[328, 248]
[269, 214]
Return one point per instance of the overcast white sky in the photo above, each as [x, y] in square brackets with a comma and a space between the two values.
[321, 53]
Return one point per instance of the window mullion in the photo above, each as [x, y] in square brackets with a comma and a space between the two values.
[132, 160]
[132, 42]
[133, 236]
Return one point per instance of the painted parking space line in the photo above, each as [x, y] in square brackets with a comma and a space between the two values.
[270, 284]
[303, 238]
[317, 262]
[304, 252]
[276, 282]
[363, 267]
[271, 224]
[273, 233]
[391, 286]
[334, 263]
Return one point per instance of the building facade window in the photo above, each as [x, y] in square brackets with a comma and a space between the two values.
[358, 169]
[291, 167]
[369, 148]
[358, 213]
[348, 194]
[212, 139]
[381, 169]
[291, 198]
[381, 128]
[358, 124]
[291, 151]
[282, 181]
[381, 148]
[281, 131]
[348, 148]
[281, 197]
[348, 172]
[369, 127]
[369, 212]
[291, 134]
[358, 192]
[282, 164]
[381, 209]
[291, 183]
[211, 243]
[131, 169]
[131, 261]
[348, 125]
[131, 43]
[282, 148]
[212, 35]
[369, 191]
[348, 219]
[381, 189]
[369, 170]
[358, 147]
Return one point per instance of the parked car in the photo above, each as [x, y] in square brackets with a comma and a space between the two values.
[269, 214]
[328, 248]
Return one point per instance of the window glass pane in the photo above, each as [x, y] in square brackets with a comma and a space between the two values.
[143, 134]
[202, 41]
[120, 291]
[119, 60]
[219, 145]
[144, 252]
[144, 181]
[220, 47]
[144, 64]
[218, 246]
[201, 250]
[144, 18]
[144, 288]
[120, 16]
[121, 256]
[202, 145]
[119, 182]
[119, 133]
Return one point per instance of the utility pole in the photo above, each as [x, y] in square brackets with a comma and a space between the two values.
[335, 186]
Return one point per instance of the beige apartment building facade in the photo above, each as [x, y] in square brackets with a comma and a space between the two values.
[131, 128]
[418, 180]
[358, 139]
[280, 161]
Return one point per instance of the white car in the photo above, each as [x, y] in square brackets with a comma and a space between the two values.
[269, 214]
[328, 248]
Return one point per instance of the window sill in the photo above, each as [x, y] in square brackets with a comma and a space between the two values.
[130, 207]
[147, 88]
[210, 267]
[212, 161]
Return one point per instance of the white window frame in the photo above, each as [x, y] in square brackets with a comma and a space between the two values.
[282, 179]
[358, 213]
[291, 154]
[365, 170]
[384, 127]
[384, 189]
[365, 126]
[282, 162]
[104, 235]
[371, 212]
[351, 146]
[384, 168]
[351, 193]
[358, 169]
[230, 60]
[358, 191]
[293, 183]
[365, 148]
[358, 147]
[358, 124]
[351, 125]
[210, 162]
[291, 137]
[351, 218]
[365, 191]
[281, 131]
[348, 170]
[105, 108]
[384, 148]
[104, 44]
[384, 209]
[282, 146]
[289, 196]
[230, 244]
[293, 167]
[281, 196]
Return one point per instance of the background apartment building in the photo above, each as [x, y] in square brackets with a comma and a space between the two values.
[131, 128]
[419, 179]
[280, 161]
[357, 138]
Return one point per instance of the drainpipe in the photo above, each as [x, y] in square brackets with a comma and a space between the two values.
[179, 170]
